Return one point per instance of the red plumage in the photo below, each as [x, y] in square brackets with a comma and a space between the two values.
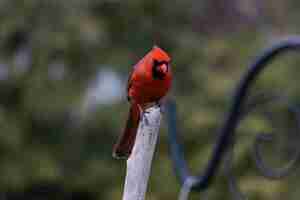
[149, 81]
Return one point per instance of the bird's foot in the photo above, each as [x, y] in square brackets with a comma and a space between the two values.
[143, 114]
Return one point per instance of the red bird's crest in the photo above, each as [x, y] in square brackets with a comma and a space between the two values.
[159, 54]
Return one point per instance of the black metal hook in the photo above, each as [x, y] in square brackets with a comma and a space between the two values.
[202, 181]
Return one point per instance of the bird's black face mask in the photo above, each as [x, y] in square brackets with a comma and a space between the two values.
[159, 69]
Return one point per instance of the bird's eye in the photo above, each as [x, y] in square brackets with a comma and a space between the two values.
[156, 63]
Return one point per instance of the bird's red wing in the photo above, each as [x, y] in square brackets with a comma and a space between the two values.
[132, 74]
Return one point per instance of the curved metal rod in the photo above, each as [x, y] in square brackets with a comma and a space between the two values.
[265, 170]
[202, 181]
[269, 172]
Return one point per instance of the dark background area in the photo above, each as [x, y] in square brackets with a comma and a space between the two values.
[63, 71]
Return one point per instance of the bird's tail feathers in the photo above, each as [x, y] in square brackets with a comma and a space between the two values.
[122, 149]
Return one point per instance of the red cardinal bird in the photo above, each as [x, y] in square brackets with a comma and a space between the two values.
[149, 81]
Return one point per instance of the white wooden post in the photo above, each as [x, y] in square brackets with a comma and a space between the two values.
[139, 163]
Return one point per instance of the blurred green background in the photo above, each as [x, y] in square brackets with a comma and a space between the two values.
[63, 71]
